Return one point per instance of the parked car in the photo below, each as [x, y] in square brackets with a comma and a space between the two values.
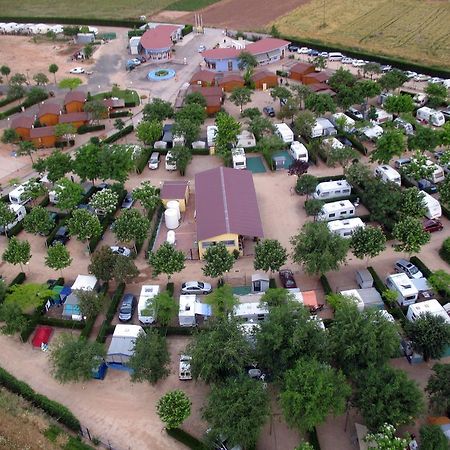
[141, 59]
[346, 60]
[422, 77]
[410, 74]
[354, 113]
[343, 140]
[432, 225]
[77, 70]
[293, 48]
[62, 235]
[136, 61]
[304, 50]
[269, 111]
[184, 372]
[126, 309]
[287, 279]
[402, 265]
[128, 201]
[323, 54]
[358, 63]
[124, 251]
[435, 80]
[153, 163]
[86, 207]
[103, 185]
[312, 52]
[426, 185]
[196, 287]
[386, 68]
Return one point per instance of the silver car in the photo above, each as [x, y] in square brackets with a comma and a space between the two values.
[124, 251]
[153, 163]
[196, 287]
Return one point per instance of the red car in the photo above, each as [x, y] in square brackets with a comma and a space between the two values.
[287, 279]
[432, 225]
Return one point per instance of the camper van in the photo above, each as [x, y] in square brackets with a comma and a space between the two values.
[146, 313]
[298, 151]
[438, 175]
[383, 116]
[432, 206]
[239, 159]
[430, 116]
[407, 293]
[346, 227]
[332, 189]
[432, 307]
[349, 122]
[170, 165]
[387, 173]
[404, 125]
[326, 127]
[20, 213]
[337, 210]
[16, 196]
[284, 132]
[211, 132]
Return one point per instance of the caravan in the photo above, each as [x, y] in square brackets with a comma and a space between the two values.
[239, 159]
[169, 162]
[345, 228]
[298, 151]
[332, 189]
[407, 293]
[387, 173]
[146, 314]
[432, 307]
[337, 210]
[432, 206]
[16, 196]
[349, 123]
[404, 125]
[190, 308]
[284, 132]
[20, 213]
[438, 174]
[383, 116]
[430, 116]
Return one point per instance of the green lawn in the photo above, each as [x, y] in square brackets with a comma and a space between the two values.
[127, 94]
[190, 5]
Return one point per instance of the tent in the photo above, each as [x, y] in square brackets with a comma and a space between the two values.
[122, 345]
[71, 309]
[42, 335]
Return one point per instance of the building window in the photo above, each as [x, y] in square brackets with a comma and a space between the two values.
[229, 243]
[230, 66]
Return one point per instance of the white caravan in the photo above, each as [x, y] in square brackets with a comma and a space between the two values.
[349, 123]
[239, 159]
[387, 173]
[430, 116]
[332, 189]
[432, 307]
[438, 175]
[190, 308]
[169, 163]
[407, 293]
[284, 132]
[211, 132]
[383, 116]
[146, 313]
[298, 151]
[432, 206]
[246, 139]
[346, 227]
[337, 210]
[20, 213]
[372, 132]
[332, 143]
[16, 196]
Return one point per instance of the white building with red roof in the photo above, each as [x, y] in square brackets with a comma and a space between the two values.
[157, 42]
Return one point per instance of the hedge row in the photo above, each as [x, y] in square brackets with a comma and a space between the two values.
[325, 285]
[110, 313]
[19, 279]
[135, 33]
[357, 144]
[116, 136]
[159, 213]
[52, 234]
[187, 29]
[421, 266]
[142, 160]
[74, 21]
[8, 100]
[16, 109]
[445, 211]
[59, 412]
[185, 438]
[444, 251]
[90, 128]
[105, 223]
[178, 331]
[61, 323]
[89, 324]
[116, 114]
[170, 288]
[330, 178]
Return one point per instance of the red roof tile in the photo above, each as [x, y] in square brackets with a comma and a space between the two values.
[262, 74]
[42, 132]
[75, 96]
[221, 53]
[158, 37]
[204, 75]
[49, 108]
[207, 91]
[73, 117]
[301, 67]
[22, 121]
[266, 45]
[231, 77]
[225, 202]
[173, 190]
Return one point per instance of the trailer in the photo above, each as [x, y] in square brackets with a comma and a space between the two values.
[349, 123]
[328, 128]
[239, 159]
[430, 116]
[332, 143]
[19, 211]
[298, 151]
[404, 125]
[246, 139]
[372, 132]
[432, 307]
[438, 174]
[407, 293]
[388, 174]
[332, 189]
[365, 298]
[432, 206]
[346, 227]
[342, 209]
[16, 196]
[284, 132]
[146, 313]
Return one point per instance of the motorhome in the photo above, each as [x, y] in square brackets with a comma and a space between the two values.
[349, 123]
[430, 116]
[433, 208]
[383, 116]
[211, 132]
[404, 125]
[387, 174]
[346, 227]
[332, 189]
[364, 279]
[432, 307]
[246, 139]
[337, 210]
[146, 313]
[16, 196]
[438, 174]
[332, 143]
[239, 159]
[20, 213]
[298, 151]
[407, 293]
[365, 298]
[326, 126]
[284, 132]
[169, 162]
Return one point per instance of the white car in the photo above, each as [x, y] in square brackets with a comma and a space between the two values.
[135, 61]
[446, 83]
[77, 70]
[436, 80]
[196, 287]
[124, 251]
[201, 48]
[410, 74]
[346, 60]
[323, 54]
[358, 63]
[421, 77]
[304, 50]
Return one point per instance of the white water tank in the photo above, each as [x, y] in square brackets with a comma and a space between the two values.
[174, 204]
[171, 237]
[171, 219]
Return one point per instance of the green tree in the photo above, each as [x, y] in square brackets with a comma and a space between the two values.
[362, 340]
[218, 260]
[320, 63]
[425, 139]
[304, 123]
[6, 216]
[10, 136]
[318, 250]
[367, 242]
[440, 281]
[157, 110]
[18, 78]
[193, 112]
[368, 89]
[119, 124]
[181, 156]
[17, 252]
[91, 303]
[116, 161]
[40, 79]
[36, 94]
[398, 104]
[53, 68]
[131, 226]
[124, 270]
[65, 131]
[104, 201]
[149, 132]
[38, 221]
[88, 50]
[311, 391]
[240, 96]
[438, 389]
[227, 130]
[412, 203]
[26, 148]
[58, 257]
[387, 395]
[173, 408]
[207, 363]
[281, 93]
[148, 195]
[432, 438]
[385, 439]
[5, 71]
[33, 189]
[301, 92]
[289, 109]
[28, 296]
[73, 359]
[261, 126]
[306, 184]
[167, 259]
[222, 301]
[430, 335]
[313, 206]
[84, 225]
[341, 156]
[437, 94]
[268, 145]
[87, 162]
[392, 80]
[102, 264]
[57, 165]
[269, 255]
[187, 128]
[68, 193]
[14, 320]
[15, 91]
[165, 308]
[410, 234]
[251, 113]
[418, 168]
[372, 68]
[390, 144]
[96, 109]
[195, 98]
[320, 103]
[238, 409]
[246, 60]
[151, 357]
[69, 83]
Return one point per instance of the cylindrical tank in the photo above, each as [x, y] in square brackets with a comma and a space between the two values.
[171, 237]
[171, 219]
[174, 204]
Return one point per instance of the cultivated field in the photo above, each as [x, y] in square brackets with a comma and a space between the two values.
[413, 29]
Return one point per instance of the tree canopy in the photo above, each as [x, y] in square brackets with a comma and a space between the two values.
[173, 408]
[167, 259]
[269, 255]
[367, 242]
[218, 260]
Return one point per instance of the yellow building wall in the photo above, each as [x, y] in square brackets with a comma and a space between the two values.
[220, 238]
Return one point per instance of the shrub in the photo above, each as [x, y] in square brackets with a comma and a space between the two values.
[187, 29]
[325, 285]
[115, 114]
[421, 266]
[151, 241]
[177, 331]
[170, 288]
[444, 251]
[61, 323]
[19, 279]
[142, 160]
[185, 438]
[377, 283]
[116, 136]
[89, 128]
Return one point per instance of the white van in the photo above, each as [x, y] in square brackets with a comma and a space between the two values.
[337, 210]
[239, 159]
[298, 151]
[284, 132]
[335, 56]
[432, 206]
[387, 173]
[430, 116]
[170, 165]
[16, 195]
[407, 293]
[146, 313]
[19, 211]
[346, 227]
[332, 189]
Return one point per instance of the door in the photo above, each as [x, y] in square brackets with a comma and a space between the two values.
[230, 66]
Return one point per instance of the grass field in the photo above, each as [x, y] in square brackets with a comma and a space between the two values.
[417, 30]
[190, 5]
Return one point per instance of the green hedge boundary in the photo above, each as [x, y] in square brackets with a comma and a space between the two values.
[159, 213]
[54, 409]
[325, 285]
[110, 313]
[74, 21]
[61, 323]
[90, 128]
[19, 279]
[16, 109]
[186, 438]
[142, 160]
[8, 100]
[421, 266]
[115, 114]
[116, 136]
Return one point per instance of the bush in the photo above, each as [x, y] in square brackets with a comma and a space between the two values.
[16, 229]
[187, 29]
[421, 266]
[135, 33]
[159, 213]
[51, 236]
[45, 201]
[116, 114]
[330, 178]
[185, 438]
[89, 128]
[61, 323]
[8, 100]
[52, 408]
[105, 329]
[445, 211]
[170, 288]
[19, 279]
[177, 331]
[142, 160]
[433, 438]
[377, 283]
[281, 73]
[272, 283]
[105, 223]
[116, 136]
[88, 326]
[326, 285]
[444, 251]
